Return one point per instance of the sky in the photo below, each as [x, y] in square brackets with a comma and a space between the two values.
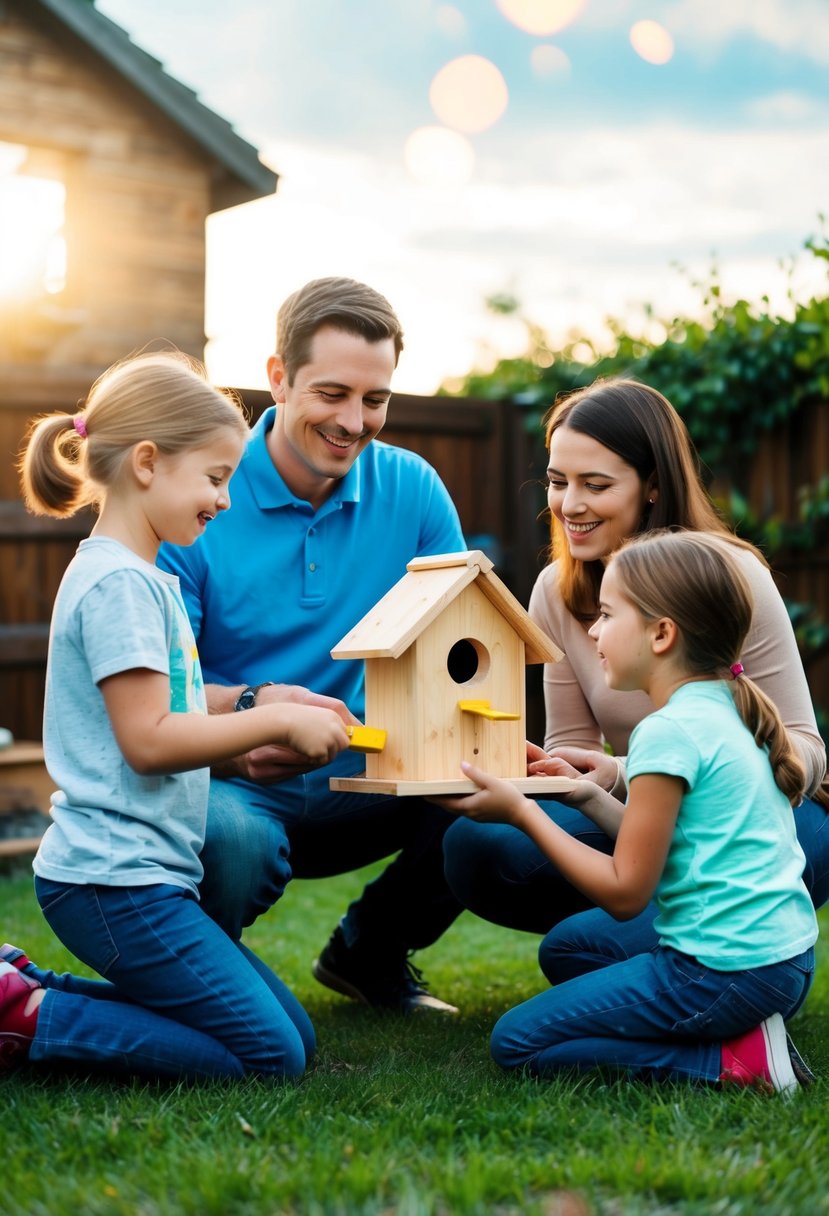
[588, 165]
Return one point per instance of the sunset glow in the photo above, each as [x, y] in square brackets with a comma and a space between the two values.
[32, 248]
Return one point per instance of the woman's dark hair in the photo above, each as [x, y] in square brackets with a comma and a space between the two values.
[645, 431]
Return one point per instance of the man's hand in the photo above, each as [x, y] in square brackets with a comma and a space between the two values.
[271, 764]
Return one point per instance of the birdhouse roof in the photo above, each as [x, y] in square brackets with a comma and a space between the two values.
[239, 174]
[429, 586]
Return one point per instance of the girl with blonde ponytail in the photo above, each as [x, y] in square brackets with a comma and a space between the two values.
[128, 744]
[708, 828]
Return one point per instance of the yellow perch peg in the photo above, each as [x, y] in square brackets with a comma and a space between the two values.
[366, 738]
[482, 709]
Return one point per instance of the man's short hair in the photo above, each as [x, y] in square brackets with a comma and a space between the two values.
[342, 303]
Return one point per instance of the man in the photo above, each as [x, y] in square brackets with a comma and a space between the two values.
[324, 520]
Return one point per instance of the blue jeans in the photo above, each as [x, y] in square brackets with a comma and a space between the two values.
[182, 1001]
[259, 836]
[660, 1015]
[499, 874]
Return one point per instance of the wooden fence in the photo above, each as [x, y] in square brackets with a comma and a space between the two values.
[493, 465]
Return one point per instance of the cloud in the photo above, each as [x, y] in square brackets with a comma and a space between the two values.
[799, 26]
[788, 106]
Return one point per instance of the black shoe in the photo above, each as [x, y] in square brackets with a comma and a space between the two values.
[800, 1068]
[400, 986]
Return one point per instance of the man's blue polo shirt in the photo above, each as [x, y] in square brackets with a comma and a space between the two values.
[273, 585]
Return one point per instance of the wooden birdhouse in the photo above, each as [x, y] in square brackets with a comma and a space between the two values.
[445, 651]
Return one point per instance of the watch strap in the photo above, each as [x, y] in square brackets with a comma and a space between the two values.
[247, 697]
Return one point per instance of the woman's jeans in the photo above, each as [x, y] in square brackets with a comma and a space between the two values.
[183, 1001]
[660, 1015]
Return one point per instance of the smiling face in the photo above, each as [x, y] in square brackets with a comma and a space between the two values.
[623, 638]
[598, 499]
[189, 489]
[332, 411]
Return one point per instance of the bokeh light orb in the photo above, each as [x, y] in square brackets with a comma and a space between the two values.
[450, 21]
[469, 94]
[541, 17]
[652, 42]
[548, 60]
[436, 156]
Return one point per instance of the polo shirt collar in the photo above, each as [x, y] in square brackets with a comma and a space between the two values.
[266, 483]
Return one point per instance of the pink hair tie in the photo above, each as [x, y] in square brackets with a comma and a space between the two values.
[737, 669]
[80, 425]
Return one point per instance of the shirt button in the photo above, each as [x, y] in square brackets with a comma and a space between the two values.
[312, 567]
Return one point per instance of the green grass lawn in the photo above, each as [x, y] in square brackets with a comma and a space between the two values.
[404, 1116]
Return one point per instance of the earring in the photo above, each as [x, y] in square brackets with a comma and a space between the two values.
[651, 501]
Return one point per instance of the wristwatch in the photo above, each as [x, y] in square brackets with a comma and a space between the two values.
[247, 697]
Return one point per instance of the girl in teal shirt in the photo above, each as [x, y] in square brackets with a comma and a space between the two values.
[708, 828]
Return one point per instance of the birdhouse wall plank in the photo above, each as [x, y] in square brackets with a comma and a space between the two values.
[469, 652]
[393, 703]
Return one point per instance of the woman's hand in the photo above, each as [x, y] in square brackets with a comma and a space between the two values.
[597, 767]
[539, 764]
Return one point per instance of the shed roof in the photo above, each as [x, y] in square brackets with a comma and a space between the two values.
[420, 596]
[239, 175]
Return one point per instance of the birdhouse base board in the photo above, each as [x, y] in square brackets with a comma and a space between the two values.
[545, 786]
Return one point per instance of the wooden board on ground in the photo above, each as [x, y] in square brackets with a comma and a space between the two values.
[24, 781]
[546, 787]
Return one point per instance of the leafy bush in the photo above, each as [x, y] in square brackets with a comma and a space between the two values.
[734, 373]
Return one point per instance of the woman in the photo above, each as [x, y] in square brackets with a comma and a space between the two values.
[621, 463]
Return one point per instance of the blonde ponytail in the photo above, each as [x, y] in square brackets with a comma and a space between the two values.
[763, 720]
[52, 476]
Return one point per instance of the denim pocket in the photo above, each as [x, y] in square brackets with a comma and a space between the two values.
[75, 916]
[730, 1012]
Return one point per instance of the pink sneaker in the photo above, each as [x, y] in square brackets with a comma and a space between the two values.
[13, 955]
[18, 1018]
[760, 1059]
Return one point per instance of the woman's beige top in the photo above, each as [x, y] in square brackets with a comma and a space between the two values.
[583, 712]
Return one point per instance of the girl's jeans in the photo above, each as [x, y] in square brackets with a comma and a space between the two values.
[183, 1001]
[658, 1015]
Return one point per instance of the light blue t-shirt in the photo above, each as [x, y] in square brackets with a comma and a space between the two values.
[273, 585]
[732, 892]
[111, 826]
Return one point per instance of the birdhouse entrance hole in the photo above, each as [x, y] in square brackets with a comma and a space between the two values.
[467, 660]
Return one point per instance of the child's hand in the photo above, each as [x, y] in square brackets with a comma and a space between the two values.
[316, 733]
[597, 804]
[496, 802]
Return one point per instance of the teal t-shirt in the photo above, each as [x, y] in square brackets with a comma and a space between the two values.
[110, 825]
[732, 892]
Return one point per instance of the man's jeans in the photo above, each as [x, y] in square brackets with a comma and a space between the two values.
[658, 1015]
[258, 837]
[183, 1001]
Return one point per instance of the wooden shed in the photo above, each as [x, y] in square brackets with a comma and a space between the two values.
[141, 164]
